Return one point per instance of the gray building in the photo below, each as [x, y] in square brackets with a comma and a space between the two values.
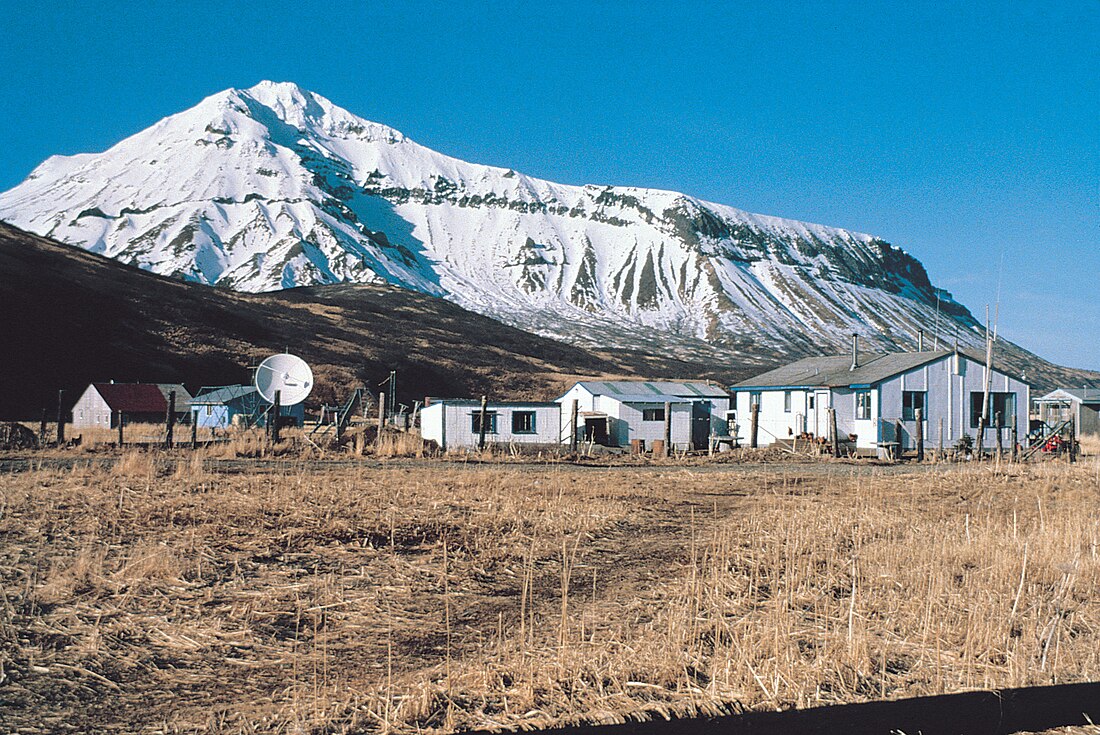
[874, 393]
[1080, 404]
[616, 412]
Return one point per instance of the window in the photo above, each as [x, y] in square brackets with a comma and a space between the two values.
[911, 402]
[754, 399]
[523, 422]
[999, 403]
[786, 401]
[863, 404]
[811, 404]
[209, 409]
[490, 422]
[653, 414]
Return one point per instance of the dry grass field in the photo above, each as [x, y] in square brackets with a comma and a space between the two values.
[170, 595]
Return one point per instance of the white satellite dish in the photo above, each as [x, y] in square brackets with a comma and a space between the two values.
[288, 374]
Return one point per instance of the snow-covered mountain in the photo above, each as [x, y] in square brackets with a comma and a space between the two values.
[274, 187]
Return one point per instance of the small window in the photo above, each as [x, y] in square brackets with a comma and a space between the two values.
[490, 422]
[863, 404]
[209, 409]
[786, 401]
[911, 402]
[754, 398]
[811, 402]
[523, 422]
[653, 414]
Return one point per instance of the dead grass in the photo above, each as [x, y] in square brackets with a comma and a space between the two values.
[168, 595]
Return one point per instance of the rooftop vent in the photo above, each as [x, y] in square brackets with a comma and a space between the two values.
[855, 352]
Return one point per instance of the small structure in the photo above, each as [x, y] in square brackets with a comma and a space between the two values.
[101, 404]
[455, 423]
[616, 413]
[876, 398]
[1080, 404]
[231, 405]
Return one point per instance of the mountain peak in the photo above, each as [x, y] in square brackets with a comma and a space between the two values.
[274, 186]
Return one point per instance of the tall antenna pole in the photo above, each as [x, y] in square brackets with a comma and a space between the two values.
[936, 347]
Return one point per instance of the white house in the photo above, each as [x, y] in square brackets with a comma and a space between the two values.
[615, 412]
[456, 423]
[873, 393]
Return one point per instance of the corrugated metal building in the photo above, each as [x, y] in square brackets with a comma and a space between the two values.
[615, 412]
[227, 405]
[872, 393]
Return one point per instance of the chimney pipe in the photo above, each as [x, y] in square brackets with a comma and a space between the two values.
[920, 340]
[855, 352]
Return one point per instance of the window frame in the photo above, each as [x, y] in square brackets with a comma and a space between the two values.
[997, 399]
[653, 414]
[475, 422]
[863, 406]
[909, 408]
[787, 400]
[533, 425]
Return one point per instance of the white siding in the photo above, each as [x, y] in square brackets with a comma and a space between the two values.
[91, 410]
[450, 424]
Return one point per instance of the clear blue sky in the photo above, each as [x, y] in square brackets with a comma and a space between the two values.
[965, 132]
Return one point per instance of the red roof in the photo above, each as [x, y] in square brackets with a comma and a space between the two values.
[133, 397]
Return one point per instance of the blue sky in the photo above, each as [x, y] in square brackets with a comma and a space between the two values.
[966, 133]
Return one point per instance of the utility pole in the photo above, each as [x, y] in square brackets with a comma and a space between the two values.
[481, 423]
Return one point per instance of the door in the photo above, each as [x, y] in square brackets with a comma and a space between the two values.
[820, 412]
[700, 424]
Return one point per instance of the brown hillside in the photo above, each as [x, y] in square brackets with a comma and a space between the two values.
[69, 317]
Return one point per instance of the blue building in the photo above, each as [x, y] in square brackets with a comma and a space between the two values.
[237, 405]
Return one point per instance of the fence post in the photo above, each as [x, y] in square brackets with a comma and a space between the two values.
[481, 423]
[981, 437]
[382, 418]
[1073, 440]
[170, 419]
[755, 425]
[121, 421]
[276, 409]
[668, 428]
[833, 431]
[897, 440]
[194, 430]
[1015, 438]
[42, 429]
[920, 434]
[60, 419]
[575, 428]
[999, 423]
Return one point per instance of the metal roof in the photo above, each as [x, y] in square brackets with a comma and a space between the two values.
[678, 389]
[835, 371]
[490, 404]
[647, 398]
[133, 397]
[182, 395]
[1081, 395]
[224, 394]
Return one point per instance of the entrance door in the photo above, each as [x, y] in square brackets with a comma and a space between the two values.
[820, 413]
[700, 424]
[595, 431]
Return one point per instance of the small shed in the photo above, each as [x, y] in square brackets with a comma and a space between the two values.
[455, 423]
[101, 404]
[223, 406]
[1080, 404]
